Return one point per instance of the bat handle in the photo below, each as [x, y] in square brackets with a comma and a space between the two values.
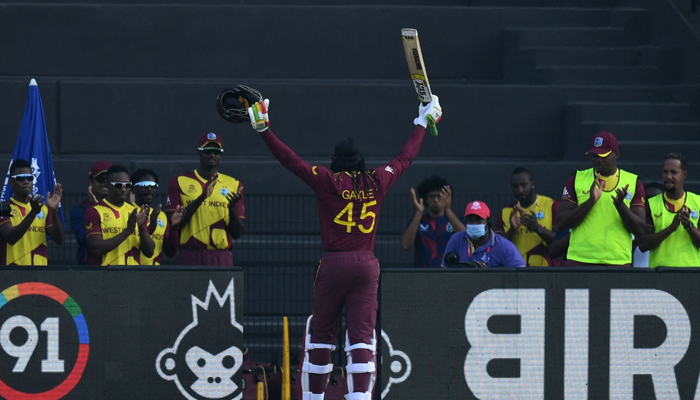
[432, 126]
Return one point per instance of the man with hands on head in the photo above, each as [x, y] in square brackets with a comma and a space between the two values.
[211, 205]
[603, 206]
[23, 234]
[430, 231]
[530, 221]
[673, 237]
[116, 231]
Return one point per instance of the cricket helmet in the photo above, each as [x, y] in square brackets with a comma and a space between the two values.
[232, 104]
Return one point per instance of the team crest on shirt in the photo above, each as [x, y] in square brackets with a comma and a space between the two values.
[191, 189]
[449, 227]
[629, 196]
[540, 215]
[598, 141]
[694, 214]
[40, 215]
[224, 191]
[36, 171]
[161, 223]
[211, 136]
[106, 217]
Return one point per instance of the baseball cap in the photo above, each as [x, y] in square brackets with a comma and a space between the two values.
[99, 167]
[478, 208]
[603, 144]
[210, 138]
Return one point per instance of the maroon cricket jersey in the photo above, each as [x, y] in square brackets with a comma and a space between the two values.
[348, 221]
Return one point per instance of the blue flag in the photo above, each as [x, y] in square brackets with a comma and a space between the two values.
[33, 145]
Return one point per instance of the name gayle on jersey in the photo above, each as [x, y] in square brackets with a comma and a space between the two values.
[351, 195]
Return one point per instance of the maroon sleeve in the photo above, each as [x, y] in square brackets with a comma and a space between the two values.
[240, 208]
[499, 223]
[390, 173]
[49, 218]
[639, 199]
[171, 241]
[555, 211]
[92, 222]
[174, 199]
[290, 160]
[570, 191]
[650, 221]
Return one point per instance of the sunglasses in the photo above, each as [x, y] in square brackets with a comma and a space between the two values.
[146, 184]
[211, 150]
[99, 179]
[121, 185]
[23, 177]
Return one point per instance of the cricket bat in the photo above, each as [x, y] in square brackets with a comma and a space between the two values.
[416, 67]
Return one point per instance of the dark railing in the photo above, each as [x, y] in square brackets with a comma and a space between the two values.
[279, 252]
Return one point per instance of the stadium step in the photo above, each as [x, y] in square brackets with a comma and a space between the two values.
[628, 56]
[580, 37]
[645, 130]
[600, 75]
[636, 111]
[655, 150]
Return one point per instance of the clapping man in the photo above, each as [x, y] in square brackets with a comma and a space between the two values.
[23, 234]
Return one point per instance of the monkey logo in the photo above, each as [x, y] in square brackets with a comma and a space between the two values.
[205, 362]
[396, 365]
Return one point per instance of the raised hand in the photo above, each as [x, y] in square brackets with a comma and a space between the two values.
[684, 216]
[675, 222]
[417, 203]
[35, 203]
[515, 218]
[530, 221]
[447, 195]
[53, 201]
[131, 221]
[142, 215]
[209, 186]
[154, 214]
[177, 216]
[259, 117]
[597, 188]
[234, 197]
[91, 196]
[620, 195]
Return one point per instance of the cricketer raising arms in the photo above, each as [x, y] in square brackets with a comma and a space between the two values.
[349, 197]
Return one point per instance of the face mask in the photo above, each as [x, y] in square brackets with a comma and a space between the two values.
[476, 231]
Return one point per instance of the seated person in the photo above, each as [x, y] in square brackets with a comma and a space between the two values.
[479, 244]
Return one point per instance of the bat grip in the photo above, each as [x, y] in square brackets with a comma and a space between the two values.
[432, 126]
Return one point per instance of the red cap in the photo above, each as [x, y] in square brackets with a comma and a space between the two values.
[603, 143]
[99, 167]
[478, 208]
[210, 138]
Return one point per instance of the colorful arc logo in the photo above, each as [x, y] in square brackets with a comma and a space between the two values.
[58, 295]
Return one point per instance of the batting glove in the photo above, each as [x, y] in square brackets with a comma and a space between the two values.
[431, 112]
[258, 115]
